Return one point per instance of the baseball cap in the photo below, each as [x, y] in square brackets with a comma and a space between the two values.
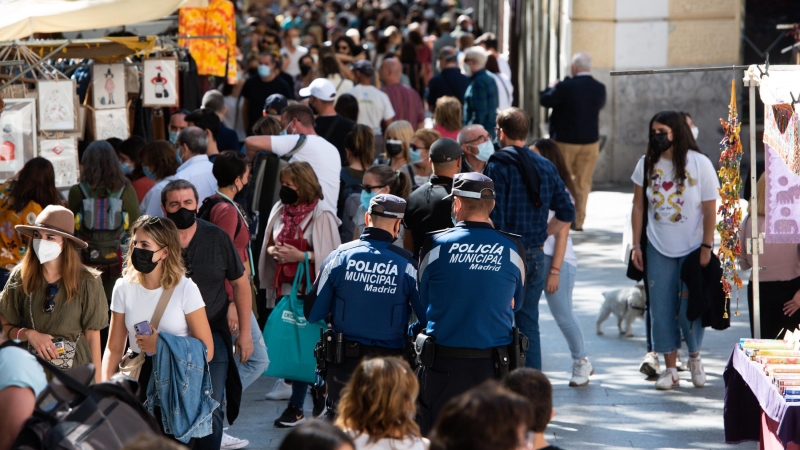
[277, 102]
[364, 67]
[444, 150]
[472, 185]
[321, 88]
[387, 205]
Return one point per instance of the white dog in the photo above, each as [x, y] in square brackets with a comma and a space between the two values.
[627, 304]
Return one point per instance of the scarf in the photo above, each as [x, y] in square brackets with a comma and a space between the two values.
[292, 216]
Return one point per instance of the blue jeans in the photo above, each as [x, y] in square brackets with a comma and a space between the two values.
[668, 305]
[258, 362]
[527, 318]
[299, 391]
[560, 303]
[218, 368]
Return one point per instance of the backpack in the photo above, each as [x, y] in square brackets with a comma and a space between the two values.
[205, 212]
[101, 223]
[70, 414]
[12, 244]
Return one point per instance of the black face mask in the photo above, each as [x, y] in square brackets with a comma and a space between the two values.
[288, 195]
[143, 260]
[394, 149]
[251, 72]
[183, 218]
[304, 69]
[660, 142]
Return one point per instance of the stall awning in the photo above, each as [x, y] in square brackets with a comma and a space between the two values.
[22, 18]
[106, 49]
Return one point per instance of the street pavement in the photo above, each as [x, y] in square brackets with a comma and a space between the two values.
[619, 408]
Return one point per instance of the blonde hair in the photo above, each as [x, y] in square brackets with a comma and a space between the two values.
[448, 113]
[380, 400]
[427, 136]
[761, 195]
[32, 272]
[165, 234]
[303, 176]
[402, 131]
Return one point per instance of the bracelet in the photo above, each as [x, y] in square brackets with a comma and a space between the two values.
[707, 246]
[635, 246]
[20, 331]
[555, 272]
[8, 332]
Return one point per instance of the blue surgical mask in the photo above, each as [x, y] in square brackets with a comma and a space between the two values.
[148, 174]
[415, 156]
[264, 71]
[283, 131]
[127, 169]
[485, 151]
[173, 137]
[453, 217]
[366, 196]
[178, 155]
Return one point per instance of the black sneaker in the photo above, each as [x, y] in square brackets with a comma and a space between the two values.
[291, 417]
[318, 396]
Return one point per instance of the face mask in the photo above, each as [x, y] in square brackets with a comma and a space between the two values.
[315, 58]
[264, 71]
[438, 66]
[288, 195]
[366, 197]
[304, 69]
[142, 260]
[485, 151]
[46, 251]
[660, 142]
[369, 46]
[394, 147]
[147, 173]
[453, 216]
[467, 70]
[126, 168]
[178, 156]
[251, 72]
[183, 218]
[296, 42]
[468, 29]
[173, 137]
[695, 132]
[415, 156]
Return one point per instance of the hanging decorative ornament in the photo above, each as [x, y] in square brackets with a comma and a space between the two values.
[783, 114]
[729, 211]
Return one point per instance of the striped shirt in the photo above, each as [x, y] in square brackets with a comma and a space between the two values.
[406, 103]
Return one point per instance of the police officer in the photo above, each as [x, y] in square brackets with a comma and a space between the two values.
[471, 280]
[368, 287]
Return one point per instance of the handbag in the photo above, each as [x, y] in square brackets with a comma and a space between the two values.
[290, 338]
[287, 271]
[66, 360]
[131, 363]
[633, 273]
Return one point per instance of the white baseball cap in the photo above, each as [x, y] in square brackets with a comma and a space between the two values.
[321, 88]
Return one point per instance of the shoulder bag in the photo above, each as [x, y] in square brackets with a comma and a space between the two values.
[131, 364]
[67, 359]
[633, 273]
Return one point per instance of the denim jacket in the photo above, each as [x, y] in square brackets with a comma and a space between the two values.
[181, 387]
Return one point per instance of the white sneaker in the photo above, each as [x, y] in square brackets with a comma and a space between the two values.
[667, 381]
[281, 391]
[581, 370]
[679, 364]
[698, 373]
[231, 443]
[650, 365]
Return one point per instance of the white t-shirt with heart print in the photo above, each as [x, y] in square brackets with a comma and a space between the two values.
[675, 215]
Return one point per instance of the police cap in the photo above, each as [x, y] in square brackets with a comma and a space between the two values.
[444, 150]
[472, 185]
[387, 205]
[277, 102]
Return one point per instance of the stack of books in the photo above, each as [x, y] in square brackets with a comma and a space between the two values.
[780, 360]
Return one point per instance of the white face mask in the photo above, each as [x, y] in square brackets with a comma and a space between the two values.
[296, 42]
[467, 70]
[46, 251]
[695, 132]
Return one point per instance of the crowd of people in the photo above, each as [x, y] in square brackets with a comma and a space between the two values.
[403, 180]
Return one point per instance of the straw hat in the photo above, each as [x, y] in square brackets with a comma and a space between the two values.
[54, 219]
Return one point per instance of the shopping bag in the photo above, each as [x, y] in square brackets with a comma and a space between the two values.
[290, 338]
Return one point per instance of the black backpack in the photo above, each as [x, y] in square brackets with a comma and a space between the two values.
[205, 212]
[70, 414]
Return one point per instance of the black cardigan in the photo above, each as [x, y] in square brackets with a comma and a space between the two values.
[706, 298]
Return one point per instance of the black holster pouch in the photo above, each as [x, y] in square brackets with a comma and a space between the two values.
[409, 354]
[424, 347]
[323, 349]
[501, 362]
[518, 349]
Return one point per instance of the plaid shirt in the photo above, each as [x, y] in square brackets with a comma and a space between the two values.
[515, 213]
[406, 103]
[481, 100]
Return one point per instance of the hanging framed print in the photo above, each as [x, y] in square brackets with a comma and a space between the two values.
[108, 86]
[111, 123]
[17, 135]
[63, 154]
[159, 76]
[57, 108]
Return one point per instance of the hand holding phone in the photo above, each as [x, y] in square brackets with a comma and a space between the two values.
[143, 329]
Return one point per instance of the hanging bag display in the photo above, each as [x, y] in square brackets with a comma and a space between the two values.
[290, 338]
[131, 363]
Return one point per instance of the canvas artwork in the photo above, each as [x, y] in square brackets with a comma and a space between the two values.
[17, 135]
[108, 85]
[57, 111]
[160, 83]
[63, 154]
[110, 123]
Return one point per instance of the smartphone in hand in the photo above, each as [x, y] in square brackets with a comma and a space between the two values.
[143, 329]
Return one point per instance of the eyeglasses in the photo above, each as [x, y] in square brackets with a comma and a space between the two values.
[482, 139]
[344, 47]
[50, 303]
[415, 147]
[497, 130]
[368, 188]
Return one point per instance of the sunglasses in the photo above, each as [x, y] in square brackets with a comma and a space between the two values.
[368, 188]
[150, 220]
[50, 303]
